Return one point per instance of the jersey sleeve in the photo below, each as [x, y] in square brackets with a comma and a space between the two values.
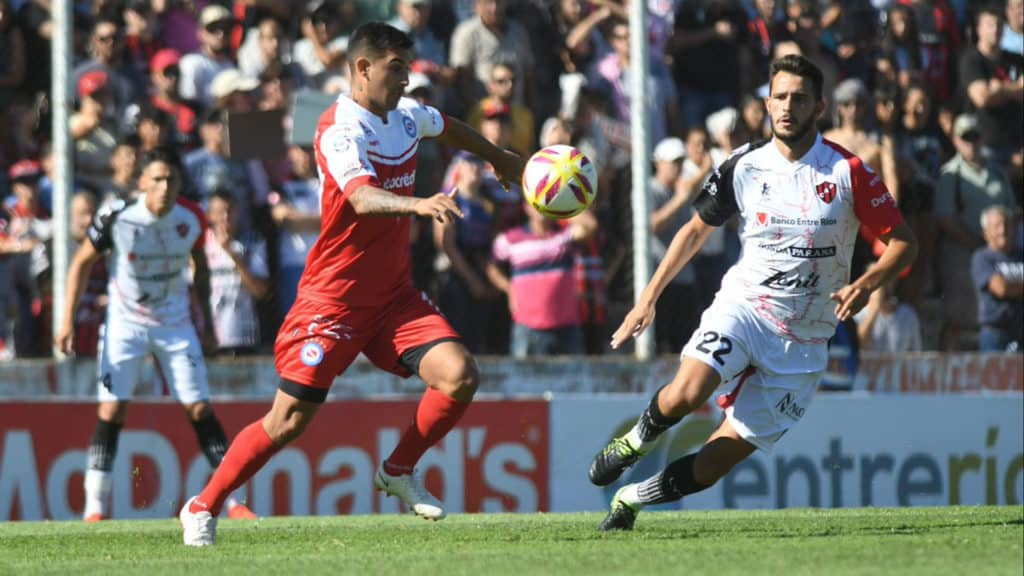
[430, 122]
[716, 202]
[200, 220]
[343, 149]
[101, 231]
[872, 203]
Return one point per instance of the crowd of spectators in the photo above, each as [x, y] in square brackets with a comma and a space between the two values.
[928, 92]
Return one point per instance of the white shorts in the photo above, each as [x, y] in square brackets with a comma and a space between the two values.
[770, 380]
[176, 350]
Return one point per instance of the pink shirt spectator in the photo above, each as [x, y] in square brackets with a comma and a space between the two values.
[543, 285]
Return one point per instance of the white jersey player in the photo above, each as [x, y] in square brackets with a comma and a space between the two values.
[800, 200]
[150, 241]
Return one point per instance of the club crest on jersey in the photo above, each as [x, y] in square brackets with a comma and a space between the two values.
[826, 191]
[311, 354]
[182, 229]
[409, 125]
[762, 218]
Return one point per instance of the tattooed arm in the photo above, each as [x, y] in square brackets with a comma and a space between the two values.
[372, 201]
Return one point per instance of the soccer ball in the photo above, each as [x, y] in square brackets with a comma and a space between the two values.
[559, 181]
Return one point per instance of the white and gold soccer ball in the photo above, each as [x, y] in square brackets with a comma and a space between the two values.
[559, 181]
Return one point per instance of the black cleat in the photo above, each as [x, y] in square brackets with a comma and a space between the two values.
[621, 517]
[612, 461]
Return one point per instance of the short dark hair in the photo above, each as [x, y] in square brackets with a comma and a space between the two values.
[160, 155]
[374, 39]
[799, 66]
[224, 194]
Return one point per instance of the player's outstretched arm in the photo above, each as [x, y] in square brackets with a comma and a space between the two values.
[900, 251]
[507, 164]
[684, 246]
[78, 273]
[372, 201]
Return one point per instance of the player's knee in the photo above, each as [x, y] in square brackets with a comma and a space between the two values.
[198, 411]
[459, 379]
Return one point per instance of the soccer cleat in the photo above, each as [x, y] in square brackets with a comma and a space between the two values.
[96, 517]
[621, 516]
[409, 488]
[241, 512]
[612, 461]
[198, 528]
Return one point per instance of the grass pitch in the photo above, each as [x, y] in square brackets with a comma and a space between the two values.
[957, 541]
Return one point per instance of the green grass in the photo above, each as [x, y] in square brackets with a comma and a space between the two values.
[958, 540]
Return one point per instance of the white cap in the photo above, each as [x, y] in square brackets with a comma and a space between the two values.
[230, 81]
[417, 80]
[670, 150]
[722, 122]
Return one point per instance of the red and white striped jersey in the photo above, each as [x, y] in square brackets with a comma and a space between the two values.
[357, 261]
[798, 227]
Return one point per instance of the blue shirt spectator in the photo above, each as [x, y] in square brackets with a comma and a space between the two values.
[998, 274]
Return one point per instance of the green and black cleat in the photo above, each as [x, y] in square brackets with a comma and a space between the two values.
[621, 517]
[612, 461]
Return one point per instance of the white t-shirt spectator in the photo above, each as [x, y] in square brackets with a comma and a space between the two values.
[197, 74]
[896, 332]
[235, 321]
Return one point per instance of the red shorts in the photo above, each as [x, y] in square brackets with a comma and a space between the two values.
[318, 341]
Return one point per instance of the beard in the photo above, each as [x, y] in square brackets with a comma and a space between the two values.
[798, 132]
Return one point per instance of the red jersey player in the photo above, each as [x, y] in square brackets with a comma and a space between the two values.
[356, 294]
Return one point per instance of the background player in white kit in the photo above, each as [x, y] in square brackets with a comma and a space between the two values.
[150, 241]
[801, 200]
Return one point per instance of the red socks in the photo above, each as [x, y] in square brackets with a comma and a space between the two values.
[249, 451]
[436, 415]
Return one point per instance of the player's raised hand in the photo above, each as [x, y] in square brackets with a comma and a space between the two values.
[638, 319]
[509, 169]
[65, 339]
[441, 207]
[850, 299]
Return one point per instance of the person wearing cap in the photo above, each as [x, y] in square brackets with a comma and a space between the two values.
[500, 88]
[198, 69]
[670, 199]
[968, 185]
[25, 228]
[164, 75]
[230, 91]
[91, 128]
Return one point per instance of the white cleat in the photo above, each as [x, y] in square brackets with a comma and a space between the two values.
[409, 488]
[199, 528]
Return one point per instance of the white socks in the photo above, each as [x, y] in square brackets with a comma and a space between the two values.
[633, 437]
[97, 491]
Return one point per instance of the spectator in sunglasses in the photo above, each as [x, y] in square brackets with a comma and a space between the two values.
[105, 51]
[968, 185]
[198, 69]
[164, 74]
